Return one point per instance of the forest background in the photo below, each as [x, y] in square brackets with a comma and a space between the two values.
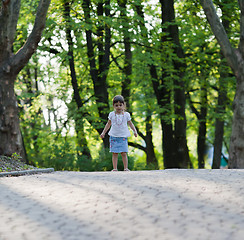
[160, 55]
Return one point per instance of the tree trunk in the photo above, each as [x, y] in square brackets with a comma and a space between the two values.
[83, 149]
[10, 65]
[222, 93]
[180, 124]
[127, 69]
[172, 35]
[151, 157]
[99, 74]
[218, 142]
[163, 100]
[202, 118]
[201, 143]
[235, 59]
[220, 110]
[236, 152]
[10, 135]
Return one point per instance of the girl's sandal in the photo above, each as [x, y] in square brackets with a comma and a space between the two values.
[127, 170]
[114, 170]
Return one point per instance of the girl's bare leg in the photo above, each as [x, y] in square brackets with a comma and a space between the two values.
[115, 160]
[124, 159]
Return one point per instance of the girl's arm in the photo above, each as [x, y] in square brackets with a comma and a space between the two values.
[107, 126]
[133, 128]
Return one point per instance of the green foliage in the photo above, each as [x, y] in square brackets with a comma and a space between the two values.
[16, 157]
[50, 120]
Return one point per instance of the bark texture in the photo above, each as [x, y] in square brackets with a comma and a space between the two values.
[10, 65]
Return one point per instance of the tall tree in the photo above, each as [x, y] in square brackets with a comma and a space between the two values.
[126, 88]
[10, 65]
[227, 8]
[171, 30]
[235, 59]
[127, 69]
[175, 150]
[162, 94]
[79, 125]
[201, 115]
[99, 65]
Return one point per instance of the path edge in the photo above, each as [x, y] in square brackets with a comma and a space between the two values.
[26, 172]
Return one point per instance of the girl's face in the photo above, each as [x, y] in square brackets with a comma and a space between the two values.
[119, 107]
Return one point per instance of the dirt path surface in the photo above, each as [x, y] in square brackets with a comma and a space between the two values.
[169, 204]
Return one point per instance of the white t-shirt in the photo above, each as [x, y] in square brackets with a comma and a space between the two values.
[119, 126]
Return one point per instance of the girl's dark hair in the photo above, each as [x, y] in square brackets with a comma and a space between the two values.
[118, 98]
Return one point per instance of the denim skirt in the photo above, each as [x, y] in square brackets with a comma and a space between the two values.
[118, 144]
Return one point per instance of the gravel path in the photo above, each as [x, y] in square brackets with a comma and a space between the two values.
[165, 205]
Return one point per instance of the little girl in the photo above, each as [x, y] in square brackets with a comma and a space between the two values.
[119, 131]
